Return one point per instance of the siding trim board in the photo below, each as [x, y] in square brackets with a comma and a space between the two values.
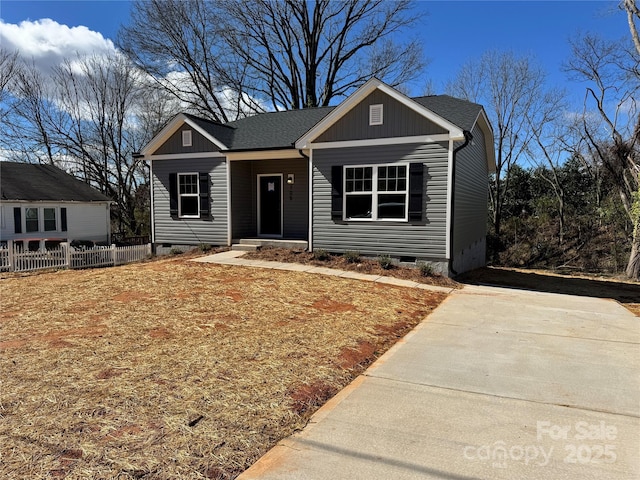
[383, 141]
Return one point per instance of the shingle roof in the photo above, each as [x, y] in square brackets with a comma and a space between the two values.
[275, 129]
[26, 181]
[461, 113]
[223, 133]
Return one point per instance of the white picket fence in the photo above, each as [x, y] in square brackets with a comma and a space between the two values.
[14, 259]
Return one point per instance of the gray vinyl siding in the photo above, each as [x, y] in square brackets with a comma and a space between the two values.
[190, 231]
[422, 240]
[198, 143]
[295, 198]
[471, 191]
[398, 121]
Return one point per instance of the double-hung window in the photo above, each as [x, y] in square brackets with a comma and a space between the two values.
[31, 219]
[49, 215]
[376, 192]
[188, 195]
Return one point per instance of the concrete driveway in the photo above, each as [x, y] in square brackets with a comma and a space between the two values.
[494, 384]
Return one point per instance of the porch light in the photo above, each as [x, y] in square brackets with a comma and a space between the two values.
[290, 179]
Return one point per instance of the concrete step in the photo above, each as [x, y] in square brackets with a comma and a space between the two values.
[245, 247]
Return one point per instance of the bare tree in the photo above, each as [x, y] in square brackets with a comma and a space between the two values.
[225, 59]
[304, 54]
[9, 69]
[83, 118]
[612, 71]
[512, 90]
[179, 43]
[548, 149]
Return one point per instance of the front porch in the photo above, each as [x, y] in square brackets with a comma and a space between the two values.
[252, 244]
[269, 202]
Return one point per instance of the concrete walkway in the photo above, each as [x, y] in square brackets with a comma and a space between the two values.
[494, 384]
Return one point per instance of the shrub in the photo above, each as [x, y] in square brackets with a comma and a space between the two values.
[204, 247]
[175, 251]
[320, 254]
[352, 256]
[385, 262]
[426, 269]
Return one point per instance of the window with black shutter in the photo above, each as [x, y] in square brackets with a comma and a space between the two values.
[189, 195]
[377, 192]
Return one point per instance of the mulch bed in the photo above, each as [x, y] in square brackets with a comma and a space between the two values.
[363, 265]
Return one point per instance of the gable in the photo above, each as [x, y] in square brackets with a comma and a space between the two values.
[397, 121]
[174, 143]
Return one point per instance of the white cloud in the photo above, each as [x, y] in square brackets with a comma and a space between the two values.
[47, 43]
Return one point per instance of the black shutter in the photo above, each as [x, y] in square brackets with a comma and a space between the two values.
[63, 219]
[336, 192]
[205, 209]
[173, 195]
[416, 191]
[17, 219]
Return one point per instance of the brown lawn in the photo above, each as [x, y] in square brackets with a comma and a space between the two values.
[174, 369]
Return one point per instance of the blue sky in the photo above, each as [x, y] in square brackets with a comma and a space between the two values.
[452, 31]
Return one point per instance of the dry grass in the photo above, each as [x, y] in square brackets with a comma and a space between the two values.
[174, 369]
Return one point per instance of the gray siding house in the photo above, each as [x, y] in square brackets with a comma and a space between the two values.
[380, 173]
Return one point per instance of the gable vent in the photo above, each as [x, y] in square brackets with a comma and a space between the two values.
[375, 114]
[186, 138]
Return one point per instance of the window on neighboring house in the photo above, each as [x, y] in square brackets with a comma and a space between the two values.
[188, 195]
[375, 192]
[186, 138]
[49, 216]
[31, 219]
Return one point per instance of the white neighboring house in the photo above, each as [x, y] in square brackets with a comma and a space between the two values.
[41, 206]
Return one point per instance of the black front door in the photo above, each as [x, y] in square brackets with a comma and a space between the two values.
[270, 206]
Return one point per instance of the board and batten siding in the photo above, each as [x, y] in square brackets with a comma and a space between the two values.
[295, 198]
[199, 143]
[398, 121]
[424, 240]
[470, 204]
[190, 231]
[85, 221]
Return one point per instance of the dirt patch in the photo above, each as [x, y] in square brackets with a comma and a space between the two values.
[363, 265]
[234, 295]
[135, 373]
[159, 332]
[305, 398]
[328, 305]
[356, 357]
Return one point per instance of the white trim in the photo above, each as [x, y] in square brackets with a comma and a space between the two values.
[152, 209]
[375, 192]
[449, 201]
[260, 206]
[283, 154]
[310, 205]
[182, 156]
[444, 137]
[229, 222]
[172, 127]
[341, 110]
[180, 195]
